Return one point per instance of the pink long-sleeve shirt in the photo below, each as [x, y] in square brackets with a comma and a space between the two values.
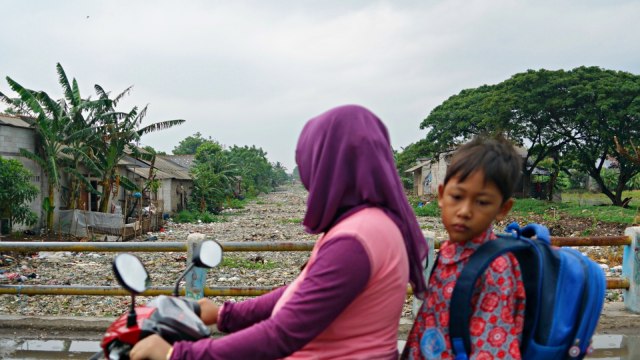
[338, 293]
[339, 274]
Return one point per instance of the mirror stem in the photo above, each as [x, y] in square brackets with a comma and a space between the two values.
[132, 318]
[176, 290]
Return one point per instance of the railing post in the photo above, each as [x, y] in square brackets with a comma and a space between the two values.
[196, 278]
[631, 269]
[430, 237]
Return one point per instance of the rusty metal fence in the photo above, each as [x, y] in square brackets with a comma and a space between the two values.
[612, 283]
[26, 247]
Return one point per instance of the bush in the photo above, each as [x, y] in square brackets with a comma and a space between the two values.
[208, 218]
[234, 203]
[16, 192]
[427, 209]
[184, 216]
[193, 216]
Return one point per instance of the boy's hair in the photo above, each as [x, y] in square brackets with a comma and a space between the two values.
[495, 156]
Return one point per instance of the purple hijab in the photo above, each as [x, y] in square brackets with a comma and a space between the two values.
[345, 161]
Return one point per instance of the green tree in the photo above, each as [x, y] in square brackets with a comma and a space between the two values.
[522, 108]
[151, 150]
[280, 175]
[254, 167]
[15, 107]
[599, 104]
[558, 114]
[59, 127]
[78, 113]
[213, 177]
[114, 138]
[16, 192]
[190, 144]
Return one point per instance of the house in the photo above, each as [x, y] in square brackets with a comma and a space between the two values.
[176, 183]
[16, 133]
[174, 179]
[429, 173]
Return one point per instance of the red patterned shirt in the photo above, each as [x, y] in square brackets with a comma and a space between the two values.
[498, 307]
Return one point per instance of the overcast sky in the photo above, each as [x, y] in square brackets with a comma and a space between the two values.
[252, 72]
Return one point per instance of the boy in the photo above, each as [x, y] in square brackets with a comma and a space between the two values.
[476, 192]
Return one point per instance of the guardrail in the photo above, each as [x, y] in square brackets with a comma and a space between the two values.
[630, 280]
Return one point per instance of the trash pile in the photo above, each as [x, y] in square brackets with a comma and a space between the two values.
[271, 217]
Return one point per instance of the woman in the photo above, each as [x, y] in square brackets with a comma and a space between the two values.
[347, 301]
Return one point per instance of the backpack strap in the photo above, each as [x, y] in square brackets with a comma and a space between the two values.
[459, 308]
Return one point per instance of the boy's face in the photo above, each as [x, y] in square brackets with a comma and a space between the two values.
[469, 207]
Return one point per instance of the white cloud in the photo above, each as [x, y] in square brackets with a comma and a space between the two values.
[252, 72]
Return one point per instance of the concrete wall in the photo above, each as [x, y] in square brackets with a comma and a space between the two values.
[169, 193]
[11, 140]
[436, 170]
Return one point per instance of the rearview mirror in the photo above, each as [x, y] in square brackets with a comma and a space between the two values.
[130, 273]
[208, 254]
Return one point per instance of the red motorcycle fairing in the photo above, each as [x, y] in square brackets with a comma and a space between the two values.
[118, 330]
[172, 318]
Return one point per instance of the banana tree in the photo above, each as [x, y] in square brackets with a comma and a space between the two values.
[80, 114]
[116, 132]
[60, 125]
[49, 124]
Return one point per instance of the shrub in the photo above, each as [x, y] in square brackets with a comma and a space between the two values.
[184, 216]
[427, 209]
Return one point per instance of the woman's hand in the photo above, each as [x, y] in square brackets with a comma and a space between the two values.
[208, 311]
[150, 348]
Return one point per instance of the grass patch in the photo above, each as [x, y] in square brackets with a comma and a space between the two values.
[551, 211]
[291, 221]
[590, 198]
[235, 203]
[604, 213]
[240, 263]
[525, 207]
[428, 209]
[193, 216]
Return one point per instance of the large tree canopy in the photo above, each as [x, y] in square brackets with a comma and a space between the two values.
[190, 144]
[559, 114]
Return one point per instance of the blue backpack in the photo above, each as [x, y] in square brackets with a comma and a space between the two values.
[565, 292]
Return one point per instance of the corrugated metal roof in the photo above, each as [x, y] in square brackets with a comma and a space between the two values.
[13, 121]
[133, 162]
[167, 166]
[182, 160]
[165, 169]
[418, 166]
[144, 173]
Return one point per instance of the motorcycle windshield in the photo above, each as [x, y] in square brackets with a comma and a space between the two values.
[174, 320]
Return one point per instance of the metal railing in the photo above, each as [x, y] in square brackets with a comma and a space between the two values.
[25, 247]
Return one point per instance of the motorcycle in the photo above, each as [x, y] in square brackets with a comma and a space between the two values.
[172, 317]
